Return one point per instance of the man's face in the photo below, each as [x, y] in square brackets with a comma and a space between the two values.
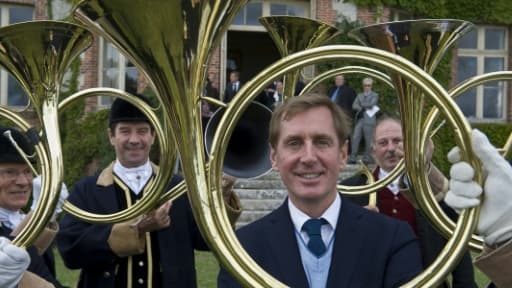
[367, 87]
[233, 77]
[309, 157]
[132, 142]
[388, 139]
[339, 80]
[15, 185]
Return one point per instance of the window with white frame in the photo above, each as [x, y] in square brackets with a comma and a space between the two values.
[11, 93]
[483, 50]
[116, 72]
[249, 14]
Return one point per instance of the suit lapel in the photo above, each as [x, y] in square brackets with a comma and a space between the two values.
[346, 248]
[283, 243]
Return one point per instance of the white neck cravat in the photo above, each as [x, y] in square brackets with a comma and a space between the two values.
[136, 178]
[393, 186]
[10, 218]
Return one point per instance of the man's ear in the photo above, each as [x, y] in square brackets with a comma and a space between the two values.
[343, 154]
[110, 135]
[273, 159]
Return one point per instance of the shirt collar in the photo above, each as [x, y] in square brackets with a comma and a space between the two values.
[392, 186]
[145, 169]
[331, 214]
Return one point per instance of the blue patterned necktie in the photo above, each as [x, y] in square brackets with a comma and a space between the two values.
[313, 228]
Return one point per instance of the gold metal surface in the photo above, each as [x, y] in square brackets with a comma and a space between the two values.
[38, 54]
[154, 195]
[293, 34]
[423, 42]
[389, 61]
[171, 42]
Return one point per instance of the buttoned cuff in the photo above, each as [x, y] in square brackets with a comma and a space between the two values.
[495, 263]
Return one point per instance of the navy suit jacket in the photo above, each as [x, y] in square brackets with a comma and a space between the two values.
[370, 250]
[84, 245]
[229, 93]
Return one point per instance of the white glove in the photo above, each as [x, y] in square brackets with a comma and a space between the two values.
[13, 262]
[36, 193]
[495, 222]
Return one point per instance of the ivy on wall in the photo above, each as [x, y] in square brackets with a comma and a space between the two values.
[477, 11]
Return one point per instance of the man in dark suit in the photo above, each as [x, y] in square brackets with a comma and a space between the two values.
[150, 251]
[317, 238]
[396, 201]
[233, 86]
[343, 95]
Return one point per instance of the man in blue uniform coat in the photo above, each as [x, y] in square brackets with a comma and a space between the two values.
[156, 250]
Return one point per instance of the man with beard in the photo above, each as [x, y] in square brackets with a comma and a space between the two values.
[396, 201]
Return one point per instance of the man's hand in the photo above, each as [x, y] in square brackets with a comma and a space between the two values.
[13, 262]
[495, 222]
[156, 220]
[228, 182]
[372, 208]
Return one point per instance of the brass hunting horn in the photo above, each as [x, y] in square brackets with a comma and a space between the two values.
[293, 34]
[409, 72]
[423, 42]
[38, 54]
[171, 42]
[248, 152]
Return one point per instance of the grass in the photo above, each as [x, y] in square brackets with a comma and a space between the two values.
[207, 269]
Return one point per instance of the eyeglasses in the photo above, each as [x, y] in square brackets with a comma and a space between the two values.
[367, 85]
[11, 174]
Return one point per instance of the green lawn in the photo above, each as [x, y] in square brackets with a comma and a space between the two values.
[207, 269]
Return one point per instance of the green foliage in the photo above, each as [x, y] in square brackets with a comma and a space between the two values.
[444, 141]
[87, 143]
[388, 101]
[477, 11]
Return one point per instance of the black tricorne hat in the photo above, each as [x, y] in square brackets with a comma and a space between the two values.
[8, 152]
[124, 111]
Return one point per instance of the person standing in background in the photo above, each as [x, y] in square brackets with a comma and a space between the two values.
[233, 86]
[343, 95]
[366, 109]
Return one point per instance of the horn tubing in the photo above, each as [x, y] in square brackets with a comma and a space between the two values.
[153, 197]
[466, 224]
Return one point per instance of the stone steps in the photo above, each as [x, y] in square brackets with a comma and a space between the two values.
[259, 196]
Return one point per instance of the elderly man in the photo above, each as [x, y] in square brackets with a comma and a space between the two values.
[15, 190]
[396, 201]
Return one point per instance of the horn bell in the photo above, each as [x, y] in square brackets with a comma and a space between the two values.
[37, 54]
[248, 152]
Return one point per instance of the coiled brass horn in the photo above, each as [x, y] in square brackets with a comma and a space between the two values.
[247, 154]
[422, 42]
[293, 34]
[408, 71]
[37, 54]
